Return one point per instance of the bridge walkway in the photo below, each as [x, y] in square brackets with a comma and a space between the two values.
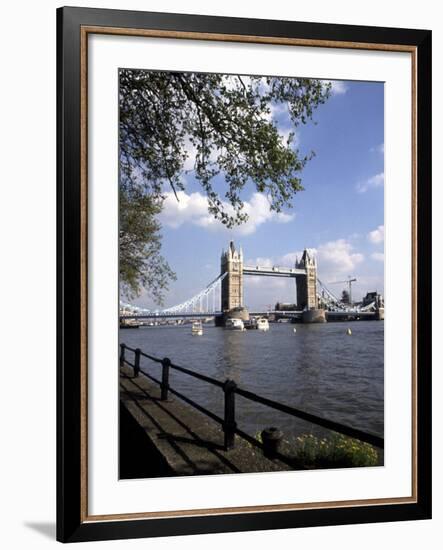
[189, 442]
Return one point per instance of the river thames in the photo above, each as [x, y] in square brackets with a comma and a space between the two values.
[319, 369]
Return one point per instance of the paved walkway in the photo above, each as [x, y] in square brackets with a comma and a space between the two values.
[189, 441]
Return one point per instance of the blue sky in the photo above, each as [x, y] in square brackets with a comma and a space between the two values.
[340, 213]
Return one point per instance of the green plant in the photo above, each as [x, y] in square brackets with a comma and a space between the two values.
[338, 451]
[258, 437]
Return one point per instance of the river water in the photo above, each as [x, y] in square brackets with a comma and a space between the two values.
[319, 369]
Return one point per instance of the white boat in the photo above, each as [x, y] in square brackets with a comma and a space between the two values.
[262, 324]
[234, 324]
[197, 329]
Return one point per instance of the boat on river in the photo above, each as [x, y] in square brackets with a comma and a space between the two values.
[234, 324]
[129, 323]
[262, 324]
[197, 329]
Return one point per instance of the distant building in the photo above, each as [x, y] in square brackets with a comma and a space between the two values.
[372, 297]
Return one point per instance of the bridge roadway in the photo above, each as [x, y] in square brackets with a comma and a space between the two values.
[273, 271]
[331, 315]
[201, 315]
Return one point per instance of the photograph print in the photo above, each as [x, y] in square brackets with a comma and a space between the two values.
[251, 274]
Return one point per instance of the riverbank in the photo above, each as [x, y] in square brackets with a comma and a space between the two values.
[138, 456]
[176, 440]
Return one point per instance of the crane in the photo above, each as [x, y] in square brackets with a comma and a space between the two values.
[349, 282]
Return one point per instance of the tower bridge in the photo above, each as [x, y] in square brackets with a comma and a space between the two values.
[224, 296]
[304, 272]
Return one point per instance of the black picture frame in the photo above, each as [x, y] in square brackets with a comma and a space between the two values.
[72, 525]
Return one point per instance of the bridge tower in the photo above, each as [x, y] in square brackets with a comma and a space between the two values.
[232, 284]
[307, 286]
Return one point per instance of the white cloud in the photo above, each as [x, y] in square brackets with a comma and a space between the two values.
[336, 261]
[193, 209]
[337, 257]
[232, 82]
[288, 260]
[378, 235]
[338, 87]
[371, 183]
[261, 261]
[275, 111]
[378, 256]
[369, 282]
[262, 292]
[191, 152]
[284, 133]
[378, 149]
[264, 282]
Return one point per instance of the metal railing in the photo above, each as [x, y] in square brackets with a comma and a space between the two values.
[230, 390]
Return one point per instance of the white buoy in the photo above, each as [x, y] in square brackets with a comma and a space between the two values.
[349, 332]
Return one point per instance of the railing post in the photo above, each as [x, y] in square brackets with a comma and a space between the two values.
[229, 425]
[137, 362]
[165, 378]
[122, 354]
[272, 439]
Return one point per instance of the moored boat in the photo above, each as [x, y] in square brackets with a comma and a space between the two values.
[129, 323]
[262, 324]
[234, 324]
[251, 324]
[197, 329]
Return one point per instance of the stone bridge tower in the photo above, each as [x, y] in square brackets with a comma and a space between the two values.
[307, 286]
[232, 284]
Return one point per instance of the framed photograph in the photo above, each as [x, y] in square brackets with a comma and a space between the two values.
[244, 274]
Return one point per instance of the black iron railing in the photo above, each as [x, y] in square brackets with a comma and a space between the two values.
[230, 390]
